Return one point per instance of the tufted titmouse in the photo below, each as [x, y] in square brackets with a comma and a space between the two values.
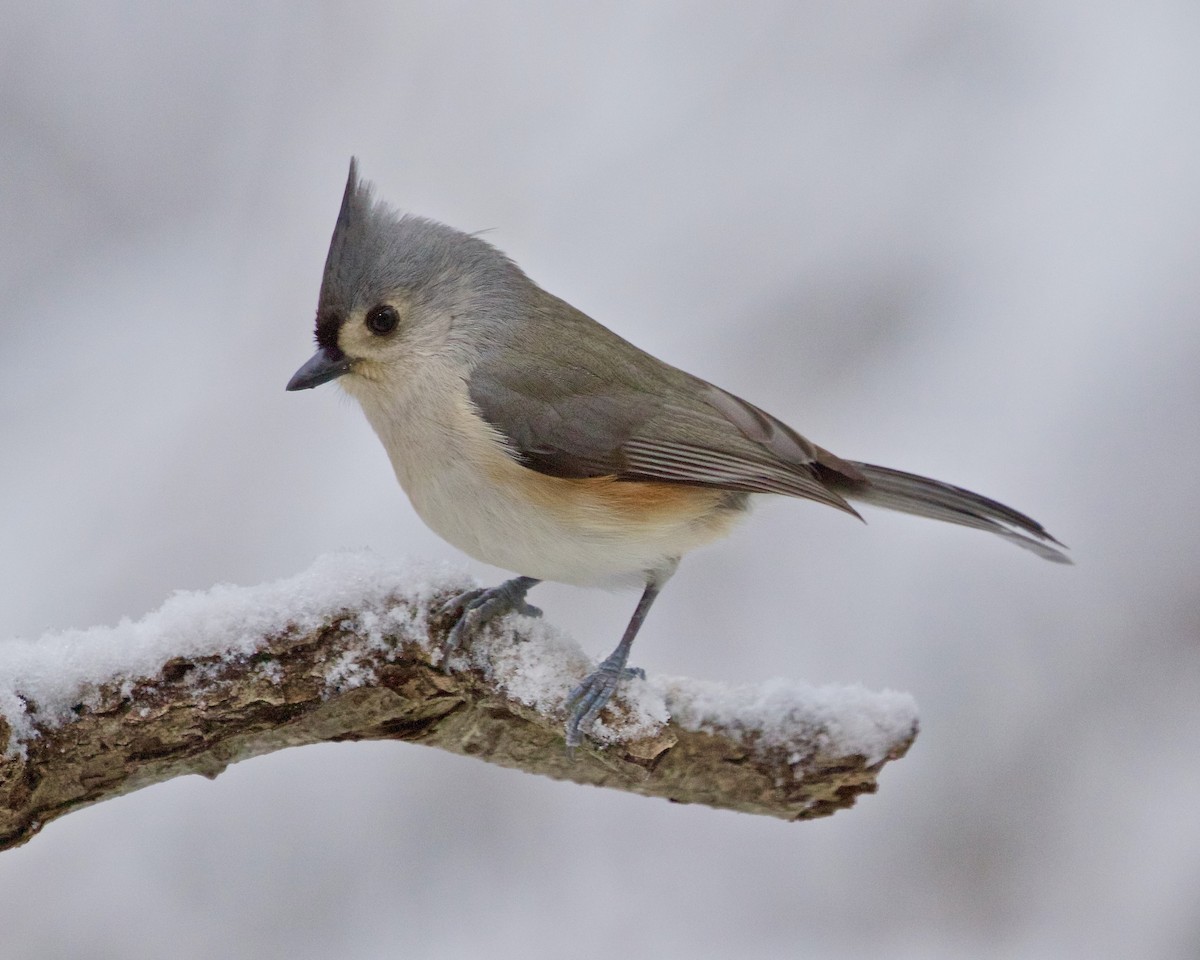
[534, 439]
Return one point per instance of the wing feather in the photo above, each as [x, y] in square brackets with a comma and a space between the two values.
[578, 401]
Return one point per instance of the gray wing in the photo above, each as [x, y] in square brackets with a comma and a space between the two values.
[572, 399]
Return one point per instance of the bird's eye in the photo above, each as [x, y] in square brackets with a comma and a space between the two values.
[382, 320]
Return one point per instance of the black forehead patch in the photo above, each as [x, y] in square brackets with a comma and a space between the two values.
[328, 325]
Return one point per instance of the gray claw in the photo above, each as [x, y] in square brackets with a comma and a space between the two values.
[456, 603]
[585, 702]
[474, 608]
[592, 695]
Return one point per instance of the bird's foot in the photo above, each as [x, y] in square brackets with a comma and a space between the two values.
[587, 700]
[477, 607]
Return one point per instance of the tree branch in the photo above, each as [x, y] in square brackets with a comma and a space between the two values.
[346, 651]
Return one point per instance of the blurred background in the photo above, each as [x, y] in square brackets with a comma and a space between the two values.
[956, 238]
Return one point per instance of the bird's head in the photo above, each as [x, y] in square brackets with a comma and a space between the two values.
[400, 290]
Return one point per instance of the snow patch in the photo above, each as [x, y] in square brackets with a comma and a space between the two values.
[56, 671]
[541, 665]
[531, 661]
[841, 719]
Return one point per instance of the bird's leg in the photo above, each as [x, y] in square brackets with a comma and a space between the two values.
[476, 607]
[587, 700]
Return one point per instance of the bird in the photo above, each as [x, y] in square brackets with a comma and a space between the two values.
[535, 439]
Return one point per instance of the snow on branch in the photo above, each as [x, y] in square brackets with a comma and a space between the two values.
[347, 650]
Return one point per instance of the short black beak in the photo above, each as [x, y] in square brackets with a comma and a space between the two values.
[323, 366]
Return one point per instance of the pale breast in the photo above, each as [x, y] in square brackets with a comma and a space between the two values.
[468, 490]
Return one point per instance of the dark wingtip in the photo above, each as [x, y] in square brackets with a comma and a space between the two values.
[923, 497]
[1057, 556]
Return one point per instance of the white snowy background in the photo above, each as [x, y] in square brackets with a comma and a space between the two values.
[956, 238]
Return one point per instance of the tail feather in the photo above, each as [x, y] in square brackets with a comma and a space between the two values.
[909, 493]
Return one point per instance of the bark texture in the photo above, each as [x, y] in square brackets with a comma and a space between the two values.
[198, 715]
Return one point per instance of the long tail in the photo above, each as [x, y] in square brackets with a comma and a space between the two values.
[908, 493]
